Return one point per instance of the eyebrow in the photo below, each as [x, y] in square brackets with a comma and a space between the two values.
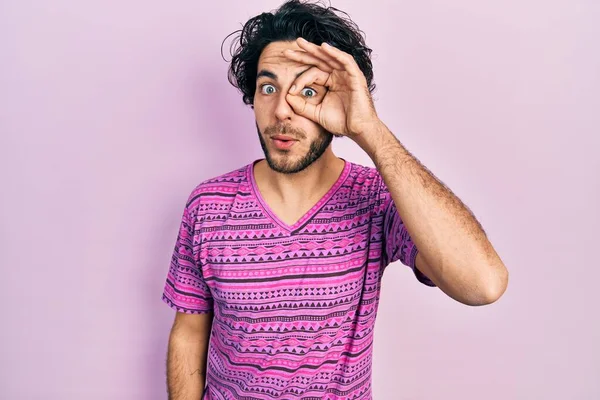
[268, 74]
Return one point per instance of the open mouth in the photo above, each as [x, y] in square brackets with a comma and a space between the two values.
[283, 142]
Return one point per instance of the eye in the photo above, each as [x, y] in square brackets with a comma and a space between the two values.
[267, 89]
[308, 92]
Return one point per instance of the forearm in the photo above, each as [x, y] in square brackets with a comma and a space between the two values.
[460, 258]
[186, 366]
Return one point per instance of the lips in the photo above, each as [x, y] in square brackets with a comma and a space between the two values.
[283, 142]
[284, 138]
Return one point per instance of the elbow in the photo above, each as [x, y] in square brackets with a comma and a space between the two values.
[492, 286]
[477, 284]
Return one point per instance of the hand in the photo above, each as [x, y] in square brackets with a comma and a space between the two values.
[347, 107]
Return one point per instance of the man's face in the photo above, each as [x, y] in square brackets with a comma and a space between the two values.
[290, 142]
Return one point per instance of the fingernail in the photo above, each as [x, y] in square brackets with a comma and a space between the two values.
[293, 88]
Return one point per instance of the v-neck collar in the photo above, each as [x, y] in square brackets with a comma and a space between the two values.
[310, 213]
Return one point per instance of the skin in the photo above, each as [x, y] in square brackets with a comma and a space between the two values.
[186, 355]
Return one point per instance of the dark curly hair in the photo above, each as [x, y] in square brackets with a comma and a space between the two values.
[314, 22]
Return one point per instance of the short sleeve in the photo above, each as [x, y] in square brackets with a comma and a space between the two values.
[397, 243]
[185, 289]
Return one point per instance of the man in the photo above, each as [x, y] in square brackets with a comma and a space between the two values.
[278, 265]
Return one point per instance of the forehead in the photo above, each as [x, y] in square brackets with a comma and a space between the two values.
[272, 57]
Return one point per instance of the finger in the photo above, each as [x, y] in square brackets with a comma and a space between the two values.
[309, 77]
[318, 52]
[303, 107]
[306, 58]
[343, 58]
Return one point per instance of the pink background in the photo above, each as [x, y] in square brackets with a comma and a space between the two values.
[112, 111]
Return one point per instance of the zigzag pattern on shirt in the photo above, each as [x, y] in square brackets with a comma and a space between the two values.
[294, 306]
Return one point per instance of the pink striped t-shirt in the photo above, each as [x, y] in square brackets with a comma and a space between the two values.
[294, 306]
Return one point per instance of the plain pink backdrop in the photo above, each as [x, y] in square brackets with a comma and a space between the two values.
[112, 111]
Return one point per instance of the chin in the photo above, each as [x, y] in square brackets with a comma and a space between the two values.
[286, 163]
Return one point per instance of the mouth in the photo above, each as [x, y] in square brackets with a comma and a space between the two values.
[283, 142]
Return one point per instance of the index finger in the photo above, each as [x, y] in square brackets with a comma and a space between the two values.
[310, 76]
[343, 58]
[318, 52]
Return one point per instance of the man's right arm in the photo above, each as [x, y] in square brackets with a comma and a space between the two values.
[187, 353]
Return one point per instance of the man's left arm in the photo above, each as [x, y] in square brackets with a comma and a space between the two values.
[454, 251]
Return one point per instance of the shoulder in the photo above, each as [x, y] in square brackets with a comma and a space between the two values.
[363, 178]
[366, 188]
[218, 189]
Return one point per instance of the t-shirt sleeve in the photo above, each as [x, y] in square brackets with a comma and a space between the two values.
[185, 289]
[397, 243]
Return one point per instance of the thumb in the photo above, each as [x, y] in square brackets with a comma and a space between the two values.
[302, 107]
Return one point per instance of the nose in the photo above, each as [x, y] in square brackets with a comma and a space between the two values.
[283, 111]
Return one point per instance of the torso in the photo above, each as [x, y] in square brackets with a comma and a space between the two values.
[294, 305]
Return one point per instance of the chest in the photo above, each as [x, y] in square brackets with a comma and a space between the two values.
[321, 269]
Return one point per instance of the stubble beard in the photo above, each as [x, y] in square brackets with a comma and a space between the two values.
[284, 165]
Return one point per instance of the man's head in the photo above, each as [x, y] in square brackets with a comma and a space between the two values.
[264, 76]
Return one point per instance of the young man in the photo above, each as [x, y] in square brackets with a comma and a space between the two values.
[278, 264]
